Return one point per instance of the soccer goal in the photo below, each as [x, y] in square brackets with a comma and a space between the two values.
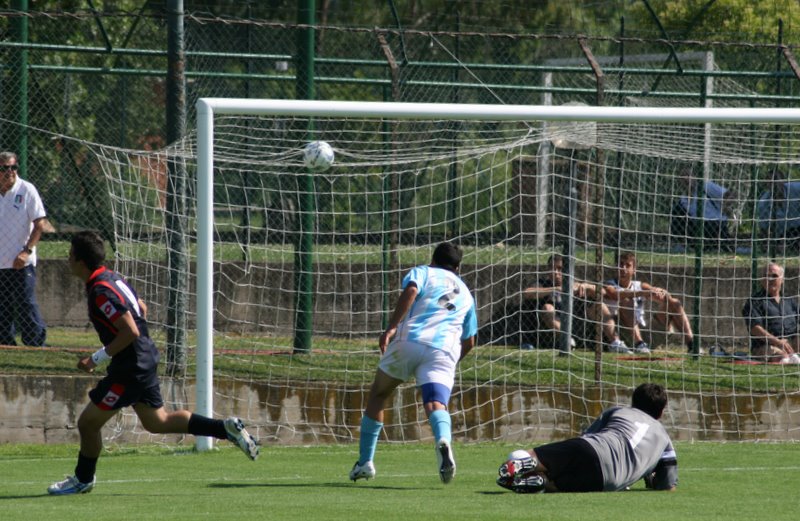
[296, 272]
[409, 175]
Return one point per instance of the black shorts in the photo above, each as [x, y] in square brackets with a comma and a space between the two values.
[111, 394]
[572, 465]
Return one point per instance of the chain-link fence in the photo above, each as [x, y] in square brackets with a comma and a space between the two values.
[72, 79]
[102, 79]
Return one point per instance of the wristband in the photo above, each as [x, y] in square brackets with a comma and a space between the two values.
[100, 356]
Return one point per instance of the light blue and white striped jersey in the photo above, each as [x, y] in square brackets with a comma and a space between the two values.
[443, 313]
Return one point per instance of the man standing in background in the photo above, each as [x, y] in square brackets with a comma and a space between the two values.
[22, 221]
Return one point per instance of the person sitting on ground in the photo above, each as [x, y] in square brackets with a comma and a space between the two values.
[622, 446]
[550, 299]
[625, 298]
[772, 319]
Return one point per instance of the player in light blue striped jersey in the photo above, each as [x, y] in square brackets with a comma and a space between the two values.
[432, 327]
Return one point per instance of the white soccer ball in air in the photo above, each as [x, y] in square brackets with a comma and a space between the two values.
[318, 156]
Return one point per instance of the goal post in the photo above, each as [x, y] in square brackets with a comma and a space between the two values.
[208, 109]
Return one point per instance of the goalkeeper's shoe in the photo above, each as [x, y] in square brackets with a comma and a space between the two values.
[447, 464]
[514, 470]
[517, 467]
[238, 435]
[530, 484]
[365, 471]
[71, 485]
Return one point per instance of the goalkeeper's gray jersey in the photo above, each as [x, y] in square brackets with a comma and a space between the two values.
[630, 444]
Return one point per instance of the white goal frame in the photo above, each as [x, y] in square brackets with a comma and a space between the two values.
[207, 108]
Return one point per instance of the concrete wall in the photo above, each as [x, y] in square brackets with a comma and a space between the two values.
[261, 296]
[45, 409]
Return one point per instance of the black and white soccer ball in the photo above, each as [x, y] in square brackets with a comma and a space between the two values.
[318, 156]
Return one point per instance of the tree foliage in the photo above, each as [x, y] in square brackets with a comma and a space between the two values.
[727, 20]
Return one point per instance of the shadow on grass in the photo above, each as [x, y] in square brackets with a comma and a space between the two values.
[29, 496]
[310, 485]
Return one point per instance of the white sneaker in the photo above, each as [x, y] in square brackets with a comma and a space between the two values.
[618, 346]
[71, 485]
[365, 471]
[791, 359]
[642, 348]
[238, 435]
[447, 464]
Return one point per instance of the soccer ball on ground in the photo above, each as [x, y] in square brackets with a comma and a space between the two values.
[519, 454]
[318, 156]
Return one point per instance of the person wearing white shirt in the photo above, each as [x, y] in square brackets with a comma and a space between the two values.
[625, 296]
[22, 221]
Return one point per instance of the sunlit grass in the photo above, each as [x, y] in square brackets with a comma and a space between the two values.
[353, 360]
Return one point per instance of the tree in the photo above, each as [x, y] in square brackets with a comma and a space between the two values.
[730, 20]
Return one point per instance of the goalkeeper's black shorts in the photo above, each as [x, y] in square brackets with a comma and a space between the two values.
[572, 465]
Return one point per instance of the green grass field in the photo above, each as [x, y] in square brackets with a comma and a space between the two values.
[717, 481]
[241, 357]
[408, 255]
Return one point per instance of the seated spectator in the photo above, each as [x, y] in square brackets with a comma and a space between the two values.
[718, 213]
[546, 302]
[772, 320]
[625, 298]
[778, 211]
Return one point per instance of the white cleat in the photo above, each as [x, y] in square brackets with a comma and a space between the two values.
[365, 471]
[238, 435]
[447, 464]
[791, 359]
[71, 485]
[618, 346]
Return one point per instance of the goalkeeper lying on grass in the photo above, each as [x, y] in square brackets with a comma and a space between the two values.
[118, 316]
[622, 446]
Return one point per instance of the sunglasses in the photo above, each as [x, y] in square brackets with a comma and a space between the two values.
[9, 168]
[773, 276]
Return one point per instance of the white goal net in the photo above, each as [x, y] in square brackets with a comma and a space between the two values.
[703, 198]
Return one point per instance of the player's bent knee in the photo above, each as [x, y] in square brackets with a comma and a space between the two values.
[87, 426]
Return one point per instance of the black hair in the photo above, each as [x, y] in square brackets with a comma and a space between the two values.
[448, 256]
[556, 258]
[87, 246]
[650, 398]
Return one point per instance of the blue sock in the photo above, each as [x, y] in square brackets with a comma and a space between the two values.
[368, 439]
[440, 425]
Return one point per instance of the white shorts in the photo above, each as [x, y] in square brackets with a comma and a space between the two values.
[638, 313]
[403, 360]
